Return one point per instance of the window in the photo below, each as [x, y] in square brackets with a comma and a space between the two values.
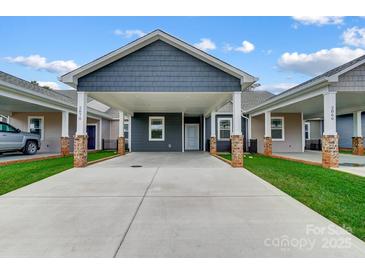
[156, 128]
[224, 128]
[7, 128]
[35, 125]
[307, 129]
[277, 129]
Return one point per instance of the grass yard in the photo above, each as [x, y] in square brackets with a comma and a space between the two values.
[18, 175]
[338, 196]
[346, 151]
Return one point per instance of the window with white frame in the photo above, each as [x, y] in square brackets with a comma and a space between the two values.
[156, 128]
[307, 129]
[36, 125]
[224, 129]
[277, 128]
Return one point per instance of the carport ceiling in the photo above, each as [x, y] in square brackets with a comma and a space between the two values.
[347, 102]
[187, 102]
[12, 105]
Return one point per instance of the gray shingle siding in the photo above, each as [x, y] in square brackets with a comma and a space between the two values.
[159, 67]
[353, 80]
[345, 129]
[140, 134]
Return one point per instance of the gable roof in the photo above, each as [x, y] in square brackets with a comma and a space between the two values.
[72, 77]
[328, 76]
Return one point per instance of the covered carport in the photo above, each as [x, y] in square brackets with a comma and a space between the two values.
[336, 92]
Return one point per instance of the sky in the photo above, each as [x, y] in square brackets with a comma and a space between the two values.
[280, 51]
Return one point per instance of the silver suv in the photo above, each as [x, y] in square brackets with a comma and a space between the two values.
[12, 139]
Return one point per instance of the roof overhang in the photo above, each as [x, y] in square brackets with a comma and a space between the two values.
[22, 98]
[72, 77]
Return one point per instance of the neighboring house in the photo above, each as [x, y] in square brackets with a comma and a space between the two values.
[279, 123]
[52, 114]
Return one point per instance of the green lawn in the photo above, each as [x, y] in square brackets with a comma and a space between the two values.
[338, 196]
[18, 175]
[345, 151]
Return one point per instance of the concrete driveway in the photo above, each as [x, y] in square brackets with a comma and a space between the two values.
[175, 205]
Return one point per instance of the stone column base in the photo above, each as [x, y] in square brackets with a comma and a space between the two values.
[358, 146]
[237, 150]
[213, 145]
[267, 146]
[80, 151]
[330, 154]
[121, 146]
[65, 146]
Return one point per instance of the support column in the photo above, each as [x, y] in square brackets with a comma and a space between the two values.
[330, 153]
[267, 136]
[237, 138]
[121, 138]
[213, 139]
[80, 141]
[65, 140]
[357, 139]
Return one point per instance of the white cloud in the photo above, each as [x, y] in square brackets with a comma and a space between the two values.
[52, 85]
[40, 63]
[129, 33]
[354, 36]
[319, 20]
[205, 44]
[318, 62]
[276, 88]
[246, 47]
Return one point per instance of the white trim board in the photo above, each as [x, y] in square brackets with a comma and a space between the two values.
[282, 130]
[42, 124]
[218, 127]
[150, 118]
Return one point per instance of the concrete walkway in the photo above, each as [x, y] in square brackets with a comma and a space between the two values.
[175, 205]
[348, 163]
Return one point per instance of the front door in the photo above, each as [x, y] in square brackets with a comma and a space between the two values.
[191, 136]
[91, 134]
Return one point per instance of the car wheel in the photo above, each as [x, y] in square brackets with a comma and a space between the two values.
[30, 148]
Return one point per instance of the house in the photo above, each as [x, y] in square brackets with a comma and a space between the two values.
[279, 123]
[171, 90]
[52, 114]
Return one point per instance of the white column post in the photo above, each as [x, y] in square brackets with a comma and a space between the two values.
[212, 124]
[303, 132]
[204, 138]
[65, 120]
[249, 130]
[267, 124]
[130, 133]
[81, 113]
[357, 130]
[121, 124]
[329, 112]
[237, 127]
[100, 143]
[182, 132]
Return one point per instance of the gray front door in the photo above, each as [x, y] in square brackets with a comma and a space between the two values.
[191, 136]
